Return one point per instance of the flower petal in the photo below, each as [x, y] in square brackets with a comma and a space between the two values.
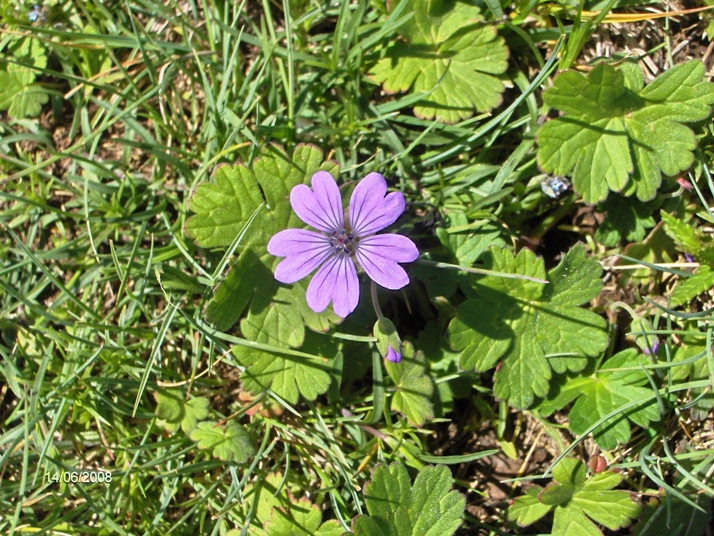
[370, 211]
[320, 207]
[393, 355]
[379, 255]
[335, 282]
[304, 251]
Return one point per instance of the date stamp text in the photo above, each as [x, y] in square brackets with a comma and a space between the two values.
[79, 477]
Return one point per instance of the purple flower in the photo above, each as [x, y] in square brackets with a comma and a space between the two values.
[650, 350]
[393, 355]
[336, 245]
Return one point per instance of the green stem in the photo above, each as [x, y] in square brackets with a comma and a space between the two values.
[375, 302]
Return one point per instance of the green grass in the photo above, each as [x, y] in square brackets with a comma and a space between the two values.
[102, 294]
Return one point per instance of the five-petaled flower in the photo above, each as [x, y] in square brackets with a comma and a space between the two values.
[335, 246]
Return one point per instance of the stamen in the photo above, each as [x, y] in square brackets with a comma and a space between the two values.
[342, 242]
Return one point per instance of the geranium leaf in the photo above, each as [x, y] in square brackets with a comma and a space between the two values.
[602, 392]
[519, 377]
[435, 509]
[396, 507]
[369, 526]
[451, 55]
[556, 494]
[414, 386]
[277, 512]
[270, 493]
[569, 521]
[222, 207]
[19, 95]
[528, 509]
[570, 471]
[274, 321]
[468, 245]
[577, 501]
[389, 489]
[174, 411]
[234, 293]
[227, 442]
[626, 219]
[656, 248]
[690, 239]
[302, 519]
[616, 135]
[196, 410]
[28, 52]
[286, 375]
[520, 322]
[612, 508]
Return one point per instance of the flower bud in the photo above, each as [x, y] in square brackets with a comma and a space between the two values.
[393, 355]
[388, 342]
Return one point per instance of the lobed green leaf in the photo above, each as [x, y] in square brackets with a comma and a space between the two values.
[527, 509]
[414, 386]
[618, 136]
[520, 322]
[286, 375]
[616, 383]
[301, 519]
[577, 501]
[468, 246]
[450, 56]
[174, 411]
[229, 442]
[19, 95]
[396, 507]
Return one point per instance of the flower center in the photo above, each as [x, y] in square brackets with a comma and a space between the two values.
[343, 242]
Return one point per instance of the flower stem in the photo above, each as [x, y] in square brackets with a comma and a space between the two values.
[375, 302]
